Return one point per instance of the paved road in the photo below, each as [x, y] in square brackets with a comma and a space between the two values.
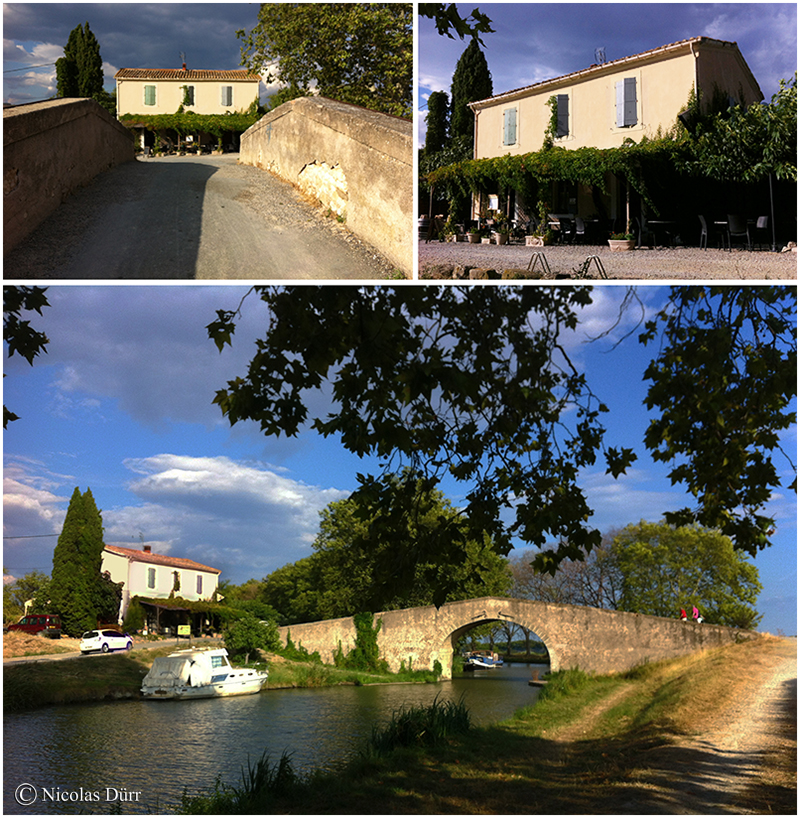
[192, 217]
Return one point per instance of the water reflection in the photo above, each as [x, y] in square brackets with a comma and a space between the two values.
[158, 748]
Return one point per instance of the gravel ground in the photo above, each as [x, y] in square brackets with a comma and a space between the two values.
[192, 217]
[437, 260]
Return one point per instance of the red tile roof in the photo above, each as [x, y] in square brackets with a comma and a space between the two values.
[136, 555]
[181, 74]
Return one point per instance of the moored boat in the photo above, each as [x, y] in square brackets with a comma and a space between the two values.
[481, 659]
[199, 674]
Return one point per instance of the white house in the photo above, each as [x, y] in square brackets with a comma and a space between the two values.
[164, 90]
[157, 576]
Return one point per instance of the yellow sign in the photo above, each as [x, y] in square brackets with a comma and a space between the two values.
[184, 630]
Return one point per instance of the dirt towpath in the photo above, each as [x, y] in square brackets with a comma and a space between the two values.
[744, 752]
[192, 217]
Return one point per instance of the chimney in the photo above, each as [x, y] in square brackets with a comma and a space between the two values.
[184, 66]
[146, 549]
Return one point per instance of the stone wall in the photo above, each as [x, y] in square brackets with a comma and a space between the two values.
[49, 150]
[356, 162]
[591, 639]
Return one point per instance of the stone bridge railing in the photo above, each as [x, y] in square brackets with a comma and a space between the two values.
[592, 639]
[49, 150]
[356, 162]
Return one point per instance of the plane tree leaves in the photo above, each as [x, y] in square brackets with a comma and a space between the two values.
[469, 384]
[20, 337]
[474, 385]
[724, 383]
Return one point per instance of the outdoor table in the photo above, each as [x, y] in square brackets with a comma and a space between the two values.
[664, 225]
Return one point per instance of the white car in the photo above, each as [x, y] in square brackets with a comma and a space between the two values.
[104, 641]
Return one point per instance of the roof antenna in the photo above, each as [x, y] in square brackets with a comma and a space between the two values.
[600, 55]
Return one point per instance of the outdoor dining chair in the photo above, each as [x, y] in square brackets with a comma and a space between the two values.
[737, 228]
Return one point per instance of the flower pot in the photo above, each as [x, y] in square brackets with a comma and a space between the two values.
[474, 238]
[621, 245]
[501, 238]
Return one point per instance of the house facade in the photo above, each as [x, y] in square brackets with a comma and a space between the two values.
[164, 90]
[603, 105]
[157, 576]
[149, 91]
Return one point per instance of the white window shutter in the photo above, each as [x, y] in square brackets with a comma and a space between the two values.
[510, 127]
[626, 102]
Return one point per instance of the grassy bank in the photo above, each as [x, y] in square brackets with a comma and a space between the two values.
[583, 748]
[119, 676]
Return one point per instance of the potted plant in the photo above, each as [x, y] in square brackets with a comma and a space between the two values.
[621, 242]
[474, 236]
[501, 229]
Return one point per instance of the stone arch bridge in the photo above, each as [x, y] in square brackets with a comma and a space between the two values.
[594, 640]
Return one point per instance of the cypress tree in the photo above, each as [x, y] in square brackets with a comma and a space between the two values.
[79, 73]
[471, 81]
[75, 589]
[436, 133]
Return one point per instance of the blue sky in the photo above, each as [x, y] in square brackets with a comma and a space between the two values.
[122, 403]
[533, 42]
[131, 35]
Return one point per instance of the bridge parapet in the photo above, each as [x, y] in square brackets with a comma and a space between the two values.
[49, 150]
[592, 639]
[357, 162]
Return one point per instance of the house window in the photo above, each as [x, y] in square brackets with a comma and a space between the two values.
[149, 95]
[510, 126]
[188, 94]
[562, 113]
[626, 102]
[199, 583]
[226, 96]
[151, 578]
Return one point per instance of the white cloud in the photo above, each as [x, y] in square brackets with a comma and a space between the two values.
[243, 518]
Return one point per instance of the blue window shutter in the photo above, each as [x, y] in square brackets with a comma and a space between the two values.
[510, 127]
[149, 95]
[626, 102]
[563, 115]
[226, 97]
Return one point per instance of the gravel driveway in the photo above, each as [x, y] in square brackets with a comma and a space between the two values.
[437, 260]
[185, 217]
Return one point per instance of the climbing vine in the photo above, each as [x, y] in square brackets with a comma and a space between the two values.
[526, 172]
[188, 122]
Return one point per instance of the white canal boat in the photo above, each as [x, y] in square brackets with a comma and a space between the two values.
[199, 674]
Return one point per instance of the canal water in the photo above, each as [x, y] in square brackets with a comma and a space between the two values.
[142, 754]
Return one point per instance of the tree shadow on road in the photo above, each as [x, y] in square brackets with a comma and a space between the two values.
[138, 220]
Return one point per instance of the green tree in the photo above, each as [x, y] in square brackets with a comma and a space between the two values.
[475, 384]
[293, 591]
[666, 569]
[19, 336]
[33, 586]
[471, 81]
[247, 635]
[436, 119]
[76, 585]
[359, 53]
[353, 560]
[749, 143]
[79, 73]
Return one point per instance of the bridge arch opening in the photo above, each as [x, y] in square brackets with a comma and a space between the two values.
[508, 633]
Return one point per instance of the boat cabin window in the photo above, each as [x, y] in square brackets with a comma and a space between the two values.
[219, 661]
